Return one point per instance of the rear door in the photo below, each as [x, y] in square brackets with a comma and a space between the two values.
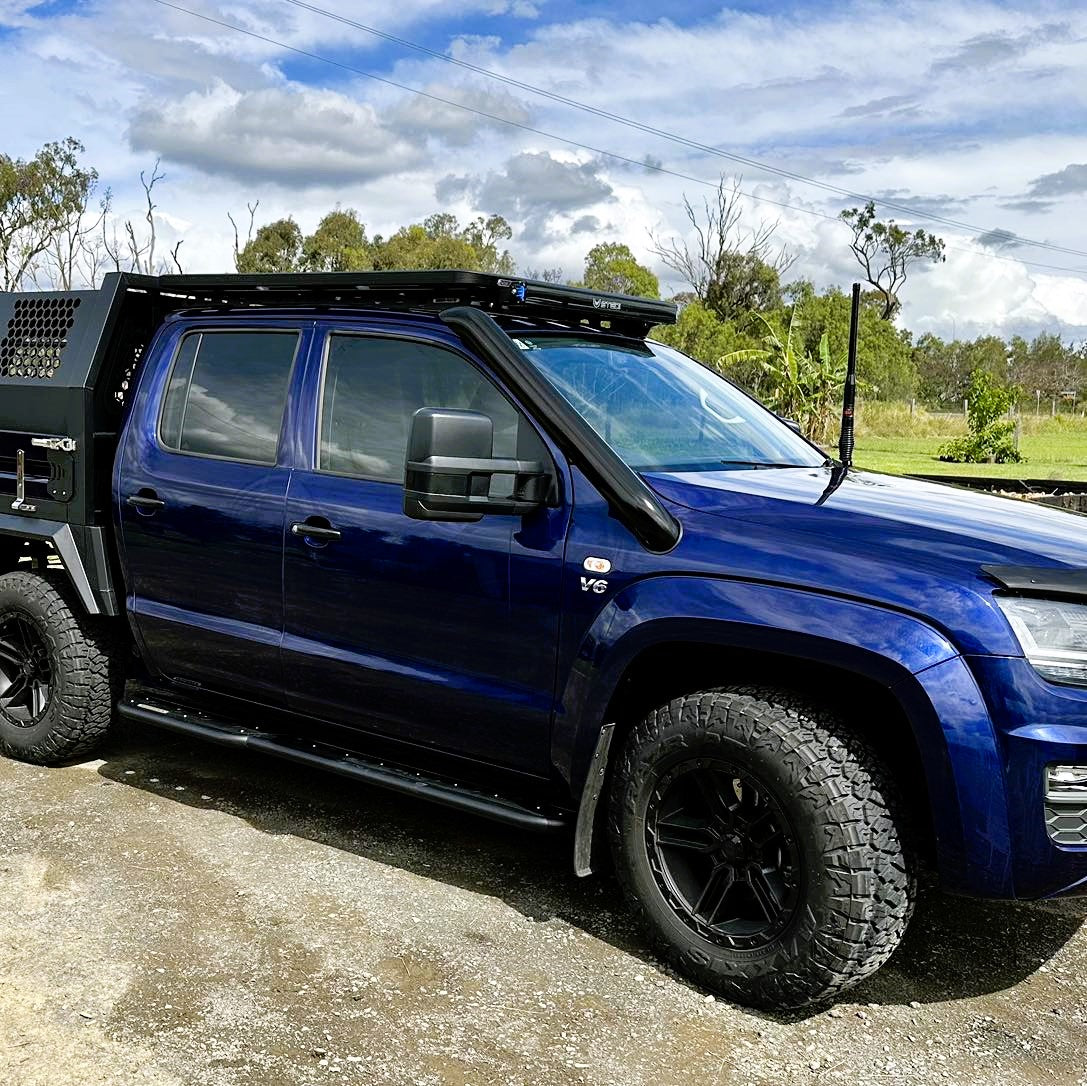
[200, 491]
[438, 633]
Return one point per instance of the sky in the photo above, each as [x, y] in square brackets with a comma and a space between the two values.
[974, 112]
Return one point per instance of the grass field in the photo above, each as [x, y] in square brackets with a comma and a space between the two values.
[890, 439]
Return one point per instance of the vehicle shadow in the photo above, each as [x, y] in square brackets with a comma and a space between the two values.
[955, 948]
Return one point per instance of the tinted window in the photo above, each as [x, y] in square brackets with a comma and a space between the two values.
[227, 392]
[373, 387]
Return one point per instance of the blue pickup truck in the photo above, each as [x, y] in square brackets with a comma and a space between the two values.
[483, 541]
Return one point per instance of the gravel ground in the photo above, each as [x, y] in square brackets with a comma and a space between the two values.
[177, 914]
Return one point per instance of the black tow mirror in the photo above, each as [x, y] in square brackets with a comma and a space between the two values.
[452, 474]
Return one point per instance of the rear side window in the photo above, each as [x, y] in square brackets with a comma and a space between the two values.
[373, 386]
[227, 393]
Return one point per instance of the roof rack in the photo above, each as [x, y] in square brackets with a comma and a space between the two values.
[425, 291]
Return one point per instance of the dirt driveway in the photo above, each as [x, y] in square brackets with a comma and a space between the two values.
[177, 914]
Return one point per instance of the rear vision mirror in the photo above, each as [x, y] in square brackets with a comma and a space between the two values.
[452, 474]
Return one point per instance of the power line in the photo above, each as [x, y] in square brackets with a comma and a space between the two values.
[650, 166]
[672, 136]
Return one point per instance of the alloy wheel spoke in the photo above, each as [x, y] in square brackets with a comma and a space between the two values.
[713, 895]
[9, 653]
[15, 693]
[684, 834]
[39, 698]
[766, 892]
[25, 671]
[21, 636]
[709, 790]
[722, 852]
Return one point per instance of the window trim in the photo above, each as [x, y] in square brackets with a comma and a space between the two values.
[427, 341]
[299, 334]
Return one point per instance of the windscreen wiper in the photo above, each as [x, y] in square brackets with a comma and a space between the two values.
[760, 464]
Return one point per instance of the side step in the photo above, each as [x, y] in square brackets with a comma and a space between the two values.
[159, 713]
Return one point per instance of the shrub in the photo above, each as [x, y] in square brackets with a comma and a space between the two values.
[990, 439]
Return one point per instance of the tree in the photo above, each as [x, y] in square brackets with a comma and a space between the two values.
[884, 363]
[941, 379]
[802, 385]
[135, 249]
[441, 242]
[715, 343]
[338, 244]
[276, 247]
[612, 267]
[990, 438]
[885, 252]
[731, 269]
[38, 199]
[545, 275]
[485, 235]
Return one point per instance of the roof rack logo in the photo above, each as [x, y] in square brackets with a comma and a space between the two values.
[605, 303]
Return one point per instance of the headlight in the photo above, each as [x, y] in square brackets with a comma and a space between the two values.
[1053, 636]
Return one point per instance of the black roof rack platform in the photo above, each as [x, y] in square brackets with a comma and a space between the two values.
[426, 291]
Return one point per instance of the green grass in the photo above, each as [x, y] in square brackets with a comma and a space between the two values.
[890, 439]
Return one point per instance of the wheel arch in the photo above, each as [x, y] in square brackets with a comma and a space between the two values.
[866, 662]
[81, 551]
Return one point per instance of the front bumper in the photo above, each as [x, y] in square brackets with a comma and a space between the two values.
[1037, 724]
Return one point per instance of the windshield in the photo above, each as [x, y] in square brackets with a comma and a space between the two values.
[662, 411]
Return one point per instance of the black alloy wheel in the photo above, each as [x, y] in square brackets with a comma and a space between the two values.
[723, 853]
[26, 674]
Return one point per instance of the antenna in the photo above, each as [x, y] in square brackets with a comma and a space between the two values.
[849, 397]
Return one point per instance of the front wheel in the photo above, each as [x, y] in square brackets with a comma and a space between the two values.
[57, 673]
[761, 845]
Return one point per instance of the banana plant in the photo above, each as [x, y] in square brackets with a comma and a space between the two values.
[798, 385]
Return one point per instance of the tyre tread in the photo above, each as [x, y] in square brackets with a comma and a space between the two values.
[847, 787]
[86, 648]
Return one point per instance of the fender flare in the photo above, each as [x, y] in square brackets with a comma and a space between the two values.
[91, 580]
[917, 663]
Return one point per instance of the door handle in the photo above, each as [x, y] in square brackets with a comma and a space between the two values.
[146, 500]
[315, 528]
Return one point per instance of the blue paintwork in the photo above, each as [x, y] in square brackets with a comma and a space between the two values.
[480, 639]
[203, 574]
[401, 618]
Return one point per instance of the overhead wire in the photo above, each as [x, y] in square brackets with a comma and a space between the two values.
[649, 166]
[1008, 237]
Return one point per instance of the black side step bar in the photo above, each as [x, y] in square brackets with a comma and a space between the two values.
[148, 710]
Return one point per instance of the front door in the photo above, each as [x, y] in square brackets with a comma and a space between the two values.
[437, 633]
[201, 490]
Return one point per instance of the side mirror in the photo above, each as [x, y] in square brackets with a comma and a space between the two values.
[792, 424]
[452, 474]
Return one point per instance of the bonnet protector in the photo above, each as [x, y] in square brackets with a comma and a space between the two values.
[1040, 580]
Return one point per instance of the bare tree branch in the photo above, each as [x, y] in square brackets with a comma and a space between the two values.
[730, 268]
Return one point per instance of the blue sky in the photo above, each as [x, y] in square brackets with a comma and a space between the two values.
[974, 111]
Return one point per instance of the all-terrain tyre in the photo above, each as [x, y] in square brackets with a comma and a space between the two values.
[762, 845]
[57, 673]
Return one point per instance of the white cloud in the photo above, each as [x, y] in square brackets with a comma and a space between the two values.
[967, 102]
[284, 135]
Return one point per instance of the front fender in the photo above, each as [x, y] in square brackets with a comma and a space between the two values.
[919, 664]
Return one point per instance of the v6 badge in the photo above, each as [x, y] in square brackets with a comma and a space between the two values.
[594, 584]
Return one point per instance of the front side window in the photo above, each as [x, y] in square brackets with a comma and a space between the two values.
[227, 393]
[373, 387]
[662, 411]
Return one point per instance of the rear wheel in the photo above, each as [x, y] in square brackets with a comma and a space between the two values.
[761, 844]
[56, 672]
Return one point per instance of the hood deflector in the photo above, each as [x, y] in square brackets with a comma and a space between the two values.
[1040, 580]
